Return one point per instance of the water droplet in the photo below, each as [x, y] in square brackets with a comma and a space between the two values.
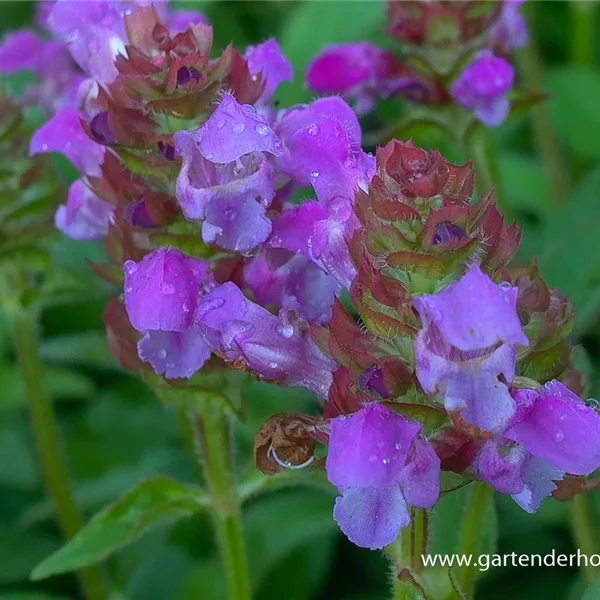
[273, 365]
[563, 417]
[314, 174]
[398, 446]
[505, 285]
[370, 173]
[275, 242]
[559, 436]
[386, 461]
[162, 354]
[261, 129]
[239, 128]
[209, 156]
[287, 331]
[130, 267]
[230, 214]
[313, 129]
[129, 289]
[167, 288]
[221, 124]
[185, 308]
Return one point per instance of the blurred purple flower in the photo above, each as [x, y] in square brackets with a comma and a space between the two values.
[510, 32]
[483, 87]
[270, 62]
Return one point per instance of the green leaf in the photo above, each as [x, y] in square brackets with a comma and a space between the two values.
[87, 348]
[315, 25]
[152, 503]
[60, 384]
[574, 107]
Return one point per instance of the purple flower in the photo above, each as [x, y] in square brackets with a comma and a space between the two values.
[510, 32]
[180, 20]
[226, 179]
[466, 351]
[323, 149]
[84, 216]
[280, 278]
[483, 87]
[553, 432]
[94, 32]
[51, 62]
[380, 464]
[361, 72]
[162, 290]
[64, 133]
[174, 354]
[270, 62]
[249, 336]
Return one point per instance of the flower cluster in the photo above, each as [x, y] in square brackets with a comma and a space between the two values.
[453, 363]
[452, 51]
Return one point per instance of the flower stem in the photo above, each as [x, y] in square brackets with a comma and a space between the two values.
[583, 29]
[47, 436]
[545, 136]
[585, 534]
[483, 153]
[214, 444]
[470, 537]
[406, 556]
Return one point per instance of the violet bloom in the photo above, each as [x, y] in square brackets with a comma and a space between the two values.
[361, 72]
[94, 32]
[554, 432]
[64, 133]
[483, 87]
[381, 465]
[268, 61]
[161, 297]
[249, 336]
[227, 180]
[180, 21]
[85, 216]
[466, 351]
[510, 32]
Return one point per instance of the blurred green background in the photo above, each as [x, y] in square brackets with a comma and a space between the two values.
[117, 434]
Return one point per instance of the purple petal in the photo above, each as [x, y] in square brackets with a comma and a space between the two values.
[22, 51]
[421, 477]
[161, 291]
[503, 473]
[371, 517]
[268, 60]
[294, 228]
[474, 313]
[486, 81]
[234, 130]
[539, 477]
[238, 224]
[510, 32]
[85, 216]
[64, 133]
[559, 428]
[174, 354]
[248, 334]
[494, 112]
[180, 20]
[369, 447]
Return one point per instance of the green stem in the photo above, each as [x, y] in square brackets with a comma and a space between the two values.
[585, 534]
[583, 29]
[481, 150]
[546, 139]
[47, 435]
[406, 556]
[214, 441]
[473, 522]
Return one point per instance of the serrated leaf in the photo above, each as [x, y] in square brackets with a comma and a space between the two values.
[153, 503]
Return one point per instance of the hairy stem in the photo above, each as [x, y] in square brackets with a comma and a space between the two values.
[470, 537]
[47, 436]
[585, 533]
[214, 443]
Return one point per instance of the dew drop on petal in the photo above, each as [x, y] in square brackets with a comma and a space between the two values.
[261, 129]
[559, 436]
[168, 288]
[239, 128]
[313, 129]
[221, 124]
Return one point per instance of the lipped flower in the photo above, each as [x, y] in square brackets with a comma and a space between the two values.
[466, 350]
[161, 297]
[553, 433]
[381, 465]
[510, 31]
[483, 87]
